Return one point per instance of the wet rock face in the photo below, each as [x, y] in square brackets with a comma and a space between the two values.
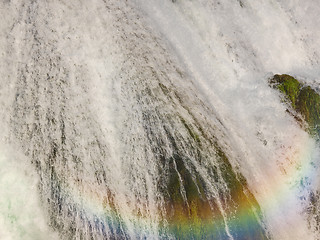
[171, 177]
[304, 106]
[194, 210]
[288, 86]
[303, 99]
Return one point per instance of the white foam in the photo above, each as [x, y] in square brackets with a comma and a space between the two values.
[21, 214]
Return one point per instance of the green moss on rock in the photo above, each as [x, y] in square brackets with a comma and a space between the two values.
[308, 105]
[192, 133]
[303, 99]
[288, 85]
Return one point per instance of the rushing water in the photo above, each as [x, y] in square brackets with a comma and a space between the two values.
[154, 119]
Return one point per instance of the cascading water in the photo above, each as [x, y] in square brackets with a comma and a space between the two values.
[154, 120]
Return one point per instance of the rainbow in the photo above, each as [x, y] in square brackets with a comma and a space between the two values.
[112, 215]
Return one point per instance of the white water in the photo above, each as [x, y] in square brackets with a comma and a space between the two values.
[230, 51]
[225, 52]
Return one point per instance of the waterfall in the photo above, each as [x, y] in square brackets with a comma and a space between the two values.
[154, 120]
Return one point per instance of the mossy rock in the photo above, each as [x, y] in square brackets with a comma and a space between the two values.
[201, 191]
[289, 86]
[195, 216]
[303, 99]
[308, 105]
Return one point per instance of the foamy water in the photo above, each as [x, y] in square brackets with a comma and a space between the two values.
[75, 92]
